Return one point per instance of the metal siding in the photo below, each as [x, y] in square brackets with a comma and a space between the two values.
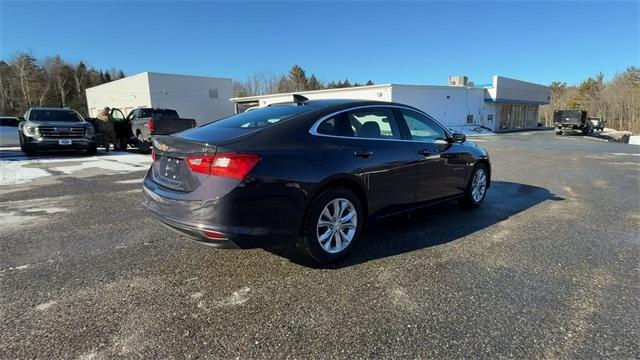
[451, 111]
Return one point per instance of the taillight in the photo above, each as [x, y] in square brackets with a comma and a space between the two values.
[154, 156]
[214, 235]
[150, 125]
[236, 166]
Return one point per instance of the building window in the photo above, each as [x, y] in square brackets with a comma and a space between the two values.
[470, 119]
[490, 118]
[213, 93]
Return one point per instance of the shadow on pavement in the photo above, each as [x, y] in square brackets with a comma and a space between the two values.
[438, 224]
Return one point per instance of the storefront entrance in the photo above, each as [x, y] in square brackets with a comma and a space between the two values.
[518, 116]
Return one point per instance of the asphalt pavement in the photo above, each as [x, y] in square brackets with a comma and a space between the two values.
[548, 267]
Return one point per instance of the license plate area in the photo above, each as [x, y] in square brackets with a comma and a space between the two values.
[64, 142]
[171, 172]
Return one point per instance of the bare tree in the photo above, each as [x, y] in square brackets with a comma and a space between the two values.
[25, 66]
[59, 74]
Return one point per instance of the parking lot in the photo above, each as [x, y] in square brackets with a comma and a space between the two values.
[548, 267]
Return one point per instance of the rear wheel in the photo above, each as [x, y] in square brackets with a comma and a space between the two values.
[143, 146]
[477, 187]
[332, 226]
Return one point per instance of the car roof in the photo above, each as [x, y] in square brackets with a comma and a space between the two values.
[52, 108]
[340, 104]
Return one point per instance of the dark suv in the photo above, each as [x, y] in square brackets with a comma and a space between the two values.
[55, 129]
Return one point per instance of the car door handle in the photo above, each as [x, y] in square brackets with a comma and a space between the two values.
[424, 152]
[363, 153]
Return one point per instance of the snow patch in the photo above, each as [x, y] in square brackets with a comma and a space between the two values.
[625, 154]
[45, 306]
[237, 298]
[12, 173]
[471, 130]
[20, 169]
[13, 214]
[89, 355]
[132, 181]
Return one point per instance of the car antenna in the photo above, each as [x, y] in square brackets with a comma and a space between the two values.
[299, 99]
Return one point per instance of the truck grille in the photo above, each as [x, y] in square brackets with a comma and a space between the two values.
[61, 132]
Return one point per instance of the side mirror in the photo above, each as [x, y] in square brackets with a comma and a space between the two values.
[21, 118]
[458, 138]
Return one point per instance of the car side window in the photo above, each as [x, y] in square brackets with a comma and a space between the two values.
[145, 113]
[374, 123]
[337, 125]
[421, 127]
[9, 122]
[117, 115]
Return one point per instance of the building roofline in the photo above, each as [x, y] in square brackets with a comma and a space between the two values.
[257, 97]
[351, 88]
[187, 75]
[149, 73]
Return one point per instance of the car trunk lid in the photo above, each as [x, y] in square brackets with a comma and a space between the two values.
[170, 168]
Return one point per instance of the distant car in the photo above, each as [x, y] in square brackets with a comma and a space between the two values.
[55, 129]
[145, 122]
[598, 123]
[9, 131]
[309, 174]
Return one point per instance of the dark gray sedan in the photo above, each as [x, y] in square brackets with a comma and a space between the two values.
[309, 173]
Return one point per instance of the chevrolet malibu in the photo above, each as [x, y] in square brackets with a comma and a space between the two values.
[308, 173]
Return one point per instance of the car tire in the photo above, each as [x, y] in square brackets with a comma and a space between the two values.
[325, 243]
[143, 146]
[475, 191]
[92, 151]
[26, 149]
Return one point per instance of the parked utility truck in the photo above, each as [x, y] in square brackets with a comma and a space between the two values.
[572, 121]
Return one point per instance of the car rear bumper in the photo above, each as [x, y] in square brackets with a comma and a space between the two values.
[243, 223]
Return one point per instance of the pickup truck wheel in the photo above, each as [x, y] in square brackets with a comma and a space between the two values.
[93, 150]
[25, 148]
[143, 146]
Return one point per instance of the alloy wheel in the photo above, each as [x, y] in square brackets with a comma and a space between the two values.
[478, 185]
[337, 225]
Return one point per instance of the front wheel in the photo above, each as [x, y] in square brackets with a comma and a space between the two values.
[332, 227]
[26, 148]
[476, 187]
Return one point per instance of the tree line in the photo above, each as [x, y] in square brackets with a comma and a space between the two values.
[617, 101]
[267, 82]
[27, 82]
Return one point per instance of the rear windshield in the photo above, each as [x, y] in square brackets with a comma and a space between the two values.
[261, 118]
[570, 114]
[54, 115]
[165, 114]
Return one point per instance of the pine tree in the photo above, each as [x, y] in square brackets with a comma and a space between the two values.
[370, 82]
[298, 79]
[314, 83]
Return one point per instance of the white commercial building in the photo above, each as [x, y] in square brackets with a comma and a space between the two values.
[202, 98]
[502, 105]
